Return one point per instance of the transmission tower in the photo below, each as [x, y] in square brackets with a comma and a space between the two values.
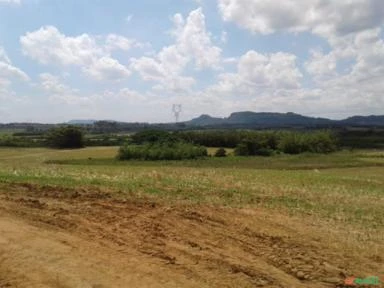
[176, 109]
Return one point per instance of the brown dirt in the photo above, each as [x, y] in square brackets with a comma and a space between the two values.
[55, 237]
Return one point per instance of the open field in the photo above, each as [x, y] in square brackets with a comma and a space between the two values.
[79, 218]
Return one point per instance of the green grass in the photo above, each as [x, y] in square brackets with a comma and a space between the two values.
[347, 187]
[305, 161]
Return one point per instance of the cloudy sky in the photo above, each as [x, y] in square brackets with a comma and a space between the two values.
[131, 60]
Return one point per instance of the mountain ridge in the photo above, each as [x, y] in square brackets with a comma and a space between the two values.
[275, 119]
[236, 120]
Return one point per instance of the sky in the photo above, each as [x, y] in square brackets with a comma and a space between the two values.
[132, 60]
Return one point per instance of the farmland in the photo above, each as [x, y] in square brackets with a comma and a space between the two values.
[85, 219]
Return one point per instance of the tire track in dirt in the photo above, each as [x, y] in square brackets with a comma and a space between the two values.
[208, 246]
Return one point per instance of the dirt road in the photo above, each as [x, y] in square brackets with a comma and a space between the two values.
[51, 237]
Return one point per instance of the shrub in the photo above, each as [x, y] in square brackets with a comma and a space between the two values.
[254, 146]
[291, 143]
[265, 152]
[221, 152]
[68, 137]
[241, 150]
[13, 141]
[153, 136]
[161, 151]
[267, 143]
[316, 142]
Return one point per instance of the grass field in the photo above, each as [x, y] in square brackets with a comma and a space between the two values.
[340, 193]
[346, 186]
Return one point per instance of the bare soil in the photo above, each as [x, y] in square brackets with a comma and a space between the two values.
[55, 237]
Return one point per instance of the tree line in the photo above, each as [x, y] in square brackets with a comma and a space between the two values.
[244, 142]
[248, 143]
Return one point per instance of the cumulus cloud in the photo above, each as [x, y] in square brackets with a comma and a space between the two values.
[8, 71]
[61, 93]
[126, 94]
[348, 77]
[364, 53]
[260, 73]
[118, 42]
[49, 46]
[193, 44]
[9, 74]
[360, 86]
[193, 40]
[318, 16]
[342, 75]
[348, 80]
[107, 68]
[3, 56]
[321, 66]
[10, 1]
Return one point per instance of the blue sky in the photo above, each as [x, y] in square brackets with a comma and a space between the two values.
[131, 60]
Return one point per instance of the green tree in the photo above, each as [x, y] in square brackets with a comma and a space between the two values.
[162, 151]
[152, 136]
[221, 152]
[68, 137]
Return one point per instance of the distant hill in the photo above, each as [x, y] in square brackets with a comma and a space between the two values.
[237, 120]
[82, 122]
[364, 121]
[261, 120]
[205, 120]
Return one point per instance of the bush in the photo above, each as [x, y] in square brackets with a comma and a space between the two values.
[161, 151]
[292, 143]
[260, 145]
[13, 141]
[221, 152]
[153, 136]
[267, 144]
[68, 137]
[315, 142]
[265, 152]
[242, 150]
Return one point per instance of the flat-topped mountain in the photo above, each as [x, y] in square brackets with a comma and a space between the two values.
[262, 119]
[237, 120]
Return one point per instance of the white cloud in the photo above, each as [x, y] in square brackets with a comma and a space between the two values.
[318, 16]
[192, 39]
[118, 42]
[61, 93]
[8, 71]
[258, 73]
[348, 80]
[321, 66]
[3, 56]
[224, 37]
[107, 68]
[126, 94]
[360, 87]
[10, 1]
[49, 46]
[192, 44]
[164, 71]
[363, 51]
[9, 74]
[129, 18]
[52, 84]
